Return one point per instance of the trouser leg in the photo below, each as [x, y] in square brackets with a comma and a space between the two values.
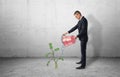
[83, 52]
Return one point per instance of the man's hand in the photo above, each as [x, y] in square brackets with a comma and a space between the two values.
[76, 37]
[65, 33]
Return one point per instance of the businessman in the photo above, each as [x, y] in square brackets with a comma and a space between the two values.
[82, 35]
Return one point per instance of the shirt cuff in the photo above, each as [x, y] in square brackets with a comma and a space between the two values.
[68, 31]
[78, 35]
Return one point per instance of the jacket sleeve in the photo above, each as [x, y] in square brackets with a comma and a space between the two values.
[82, 31]
[73, 29]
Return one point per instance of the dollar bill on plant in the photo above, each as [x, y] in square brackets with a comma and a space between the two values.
[51, 55]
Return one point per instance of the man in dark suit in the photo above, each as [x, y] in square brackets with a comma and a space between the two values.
[82, 35]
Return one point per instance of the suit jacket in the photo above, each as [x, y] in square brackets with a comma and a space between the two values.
[82, 29]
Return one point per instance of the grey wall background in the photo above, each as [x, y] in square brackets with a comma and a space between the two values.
[27, 26]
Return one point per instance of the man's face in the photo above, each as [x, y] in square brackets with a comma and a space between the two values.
[77, 15]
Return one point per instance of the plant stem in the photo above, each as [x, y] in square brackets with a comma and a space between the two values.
[56, 65]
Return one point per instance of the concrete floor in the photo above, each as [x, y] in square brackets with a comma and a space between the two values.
[36, 67]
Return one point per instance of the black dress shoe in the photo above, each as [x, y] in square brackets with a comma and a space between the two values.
[78, 62]
[81, 67]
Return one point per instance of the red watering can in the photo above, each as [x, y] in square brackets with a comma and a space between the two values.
[68, 40]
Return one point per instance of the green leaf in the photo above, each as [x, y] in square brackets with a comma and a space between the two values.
[61, 58]
[50, 46]
[56, 49]
[48, 63]
[48, 54]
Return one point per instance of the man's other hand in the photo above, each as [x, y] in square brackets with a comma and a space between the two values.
[76, 37]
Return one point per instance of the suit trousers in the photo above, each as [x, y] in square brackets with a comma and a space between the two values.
[83, 45]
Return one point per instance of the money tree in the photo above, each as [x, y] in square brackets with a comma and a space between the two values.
[52, 57]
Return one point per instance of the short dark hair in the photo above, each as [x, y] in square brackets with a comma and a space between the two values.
[77, 12]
